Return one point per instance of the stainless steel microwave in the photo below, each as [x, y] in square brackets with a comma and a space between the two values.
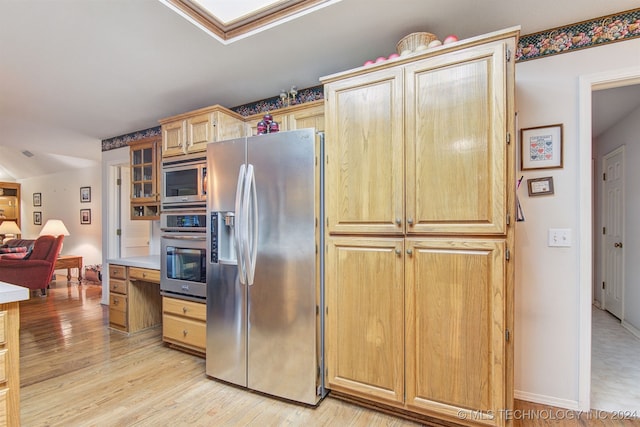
[184, 181]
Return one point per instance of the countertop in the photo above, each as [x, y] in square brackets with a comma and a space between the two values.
[12, 293]
[150, 261]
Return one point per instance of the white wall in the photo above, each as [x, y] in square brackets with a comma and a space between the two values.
[61, 200]
[627, 133]
[548, 280]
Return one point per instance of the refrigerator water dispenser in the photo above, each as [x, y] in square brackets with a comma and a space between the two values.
[223, 249]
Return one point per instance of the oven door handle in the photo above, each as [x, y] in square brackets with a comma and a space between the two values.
[185, 237]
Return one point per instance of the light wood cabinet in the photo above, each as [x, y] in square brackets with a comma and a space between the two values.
[454, 324]
[134, 298]
[420, 185]
[301, 116]
[364, 321]
[191, 132]
[184, 324]
[145, 179]
[10, 364]
[9, 203]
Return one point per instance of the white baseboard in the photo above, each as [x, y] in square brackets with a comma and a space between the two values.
[629, 327]
[547, 400]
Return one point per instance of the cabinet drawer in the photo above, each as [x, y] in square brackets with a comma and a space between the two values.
[3, 327]
[3, 366]
[190, 309]
[117, 272]
[117, 302]
[189, 332]
[118, 286]
[144, 274]
[3, 407]
[118, 317]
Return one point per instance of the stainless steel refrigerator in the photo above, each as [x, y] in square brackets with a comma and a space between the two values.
[265, 264]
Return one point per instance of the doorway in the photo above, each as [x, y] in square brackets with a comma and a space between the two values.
[587, 85]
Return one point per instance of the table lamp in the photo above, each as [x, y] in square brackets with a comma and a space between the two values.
[54, 227]
[9, 229]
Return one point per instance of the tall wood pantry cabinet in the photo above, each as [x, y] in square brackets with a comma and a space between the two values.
[420, 204]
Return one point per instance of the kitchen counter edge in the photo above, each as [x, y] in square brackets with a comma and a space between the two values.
[12, 293]
[151, 262]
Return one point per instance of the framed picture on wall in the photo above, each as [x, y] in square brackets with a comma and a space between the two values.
[85, 216]
[37, 218]
[37, 199]
[85, 194]
[541, 147]
[540, 186]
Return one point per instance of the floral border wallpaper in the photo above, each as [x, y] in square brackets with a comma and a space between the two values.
[581, 35]
[595, 32]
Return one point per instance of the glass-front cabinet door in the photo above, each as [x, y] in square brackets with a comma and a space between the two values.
[145, 188]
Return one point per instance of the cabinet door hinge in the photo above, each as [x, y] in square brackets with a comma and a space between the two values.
[604, 176]
[508, 219]
[508, 138]
[507, 335]
[508, 55]
[119, 181]
[603, 285]
[604, 230]
[118, 232]
[507, 254]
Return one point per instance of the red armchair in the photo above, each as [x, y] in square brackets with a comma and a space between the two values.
[36, 271]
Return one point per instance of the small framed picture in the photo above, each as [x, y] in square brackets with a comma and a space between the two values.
[37, 199]
[85, 216]
[541, 147]
[85, 194]
[540, 186]
[37, 218]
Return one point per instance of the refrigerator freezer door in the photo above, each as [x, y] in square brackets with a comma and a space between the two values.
[226, 296]
[282, 344]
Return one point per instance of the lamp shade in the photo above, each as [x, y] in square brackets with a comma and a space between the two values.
[9, 227]
[54, 227]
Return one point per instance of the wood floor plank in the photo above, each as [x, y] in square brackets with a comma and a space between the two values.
[75, 371]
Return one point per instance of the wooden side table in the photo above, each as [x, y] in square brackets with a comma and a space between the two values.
[69, 262]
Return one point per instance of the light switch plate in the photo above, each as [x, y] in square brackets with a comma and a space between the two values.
[559, 237]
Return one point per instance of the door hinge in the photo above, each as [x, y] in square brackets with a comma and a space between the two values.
[118, 232]
[119, 181]
[508, 219]
[507, 254]
[604, 230]
[603, 285]
[508, 138]
[508, 55]
[507, 335]
[604, 176]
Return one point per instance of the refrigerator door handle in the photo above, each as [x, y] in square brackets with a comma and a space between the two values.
[253, 236]
[237, 238]
[249, 184]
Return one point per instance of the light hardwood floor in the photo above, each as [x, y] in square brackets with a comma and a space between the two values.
[76, 372]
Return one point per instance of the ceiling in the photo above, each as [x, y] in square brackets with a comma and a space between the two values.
[74, 72]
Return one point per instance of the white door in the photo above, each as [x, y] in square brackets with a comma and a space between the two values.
[135, 235]
[613, 242]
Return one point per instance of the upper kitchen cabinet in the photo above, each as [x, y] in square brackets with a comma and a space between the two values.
[301, 116]
[145, 178]
[419, 145]
[191, 132]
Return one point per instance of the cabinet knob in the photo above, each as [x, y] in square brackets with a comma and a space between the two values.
[410, 221]
[184, 310]
[398, 221]
[115, 301]
[617, 245]
[398, 252]
[185, 332]
[409, 252]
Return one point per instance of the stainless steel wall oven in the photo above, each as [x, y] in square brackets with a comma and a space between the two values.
[183, 260]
